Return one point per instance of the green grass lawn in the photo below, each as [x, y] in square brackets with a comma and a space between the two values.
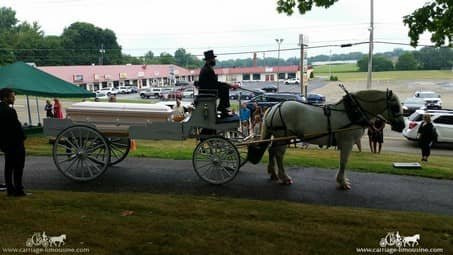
[137, 223]
[337, 68]
[350, 72]
[437, 167]
[397, 75]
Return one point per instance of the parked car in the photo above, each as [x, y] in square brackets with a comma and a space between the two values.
[134, 89]
[181, 83]
[173, 94]
[108, 91]
[270, 88]
[270, 99]
[441, 119]
[188, 92]
[410, 105]
[99, 96]
[155, 92]
[124, 90]
[432, 99]
[292, 81]
[316, 99]
[245, 95]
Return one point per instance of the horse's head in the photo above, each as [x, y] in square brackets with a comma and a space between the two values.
[394, 112]
[383, 104]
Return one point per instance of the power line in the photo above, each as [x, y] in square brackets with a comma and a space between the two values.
[40, 56]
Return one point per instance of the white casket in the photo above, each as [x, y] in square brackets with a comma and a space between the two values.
[117, 117]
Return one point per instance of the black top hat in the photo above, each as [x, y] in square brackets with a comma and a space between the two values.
[209, 55]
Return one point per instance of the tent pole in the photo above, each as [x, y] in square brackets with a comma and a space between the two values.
[37, 109]
[29, 115]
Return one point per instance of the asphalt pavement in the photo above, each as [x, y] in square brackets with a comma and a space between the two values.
[311, 185]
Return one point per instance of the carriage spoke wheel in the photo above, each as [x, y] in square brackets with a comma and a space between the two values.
[237, 137]
[216, 160]
[119, 148]
[81, 153]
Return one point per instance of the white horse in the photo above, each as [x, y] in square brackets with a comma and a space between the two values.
[340, 124]
[411, 240]
[57, 240]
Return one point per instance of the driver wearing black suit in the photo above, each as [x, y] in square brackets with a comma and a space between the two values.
[208, 81]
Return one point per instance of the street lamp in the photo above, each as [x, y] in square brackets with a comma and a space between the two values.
[279, 41]
[370, 51]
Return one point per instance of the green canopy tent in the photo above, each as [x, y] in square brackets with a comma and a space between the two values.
[30, 81]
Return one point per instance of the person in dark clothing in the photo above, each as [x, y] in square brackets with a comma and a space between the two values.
[49, 109]
[371, 132]
[208, 81]
[12, 144]
[426, 136]
[378, 135]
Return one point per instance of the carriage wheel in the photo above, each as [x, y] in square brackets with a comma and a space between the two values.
[119, 148]
[81, 153]
[237, 137]
[216, 160]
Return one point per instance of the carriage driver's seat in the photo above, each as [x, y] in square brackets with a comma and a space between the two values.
[205, 113]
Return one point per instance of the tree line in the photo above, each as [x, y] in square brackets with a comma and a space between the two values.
[80, 44]
[428, 58]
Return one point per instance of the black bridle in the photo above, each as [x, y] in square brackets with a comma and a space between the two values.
[393, 109]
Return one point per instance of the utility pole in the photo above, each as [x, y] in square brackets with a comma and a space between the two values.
[279, 41]
[101, 58]
[370, 52]
[303, 88]
[330, 64]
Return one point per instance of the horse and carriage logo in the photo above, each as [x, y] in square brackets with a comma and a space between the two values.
[41, 239]
[394, 239]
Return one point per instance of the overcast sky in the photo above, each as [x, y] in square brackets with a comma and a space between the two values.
[227, 26]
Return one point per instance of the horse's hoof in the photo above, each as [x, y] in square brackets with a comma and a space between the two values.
[285, 182]
[273, 177]
[344, 186]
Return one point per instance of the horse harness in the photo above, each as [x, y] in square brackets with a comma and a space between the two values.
[327, 112]
[355, 112]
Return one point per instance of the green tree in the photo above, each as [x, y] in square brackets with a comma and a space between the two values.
[52, 51]
[434, 58]
[380, 63]
[148, 58]
[7, 23]
[128, 59]
[6, 54]
[181, 57]
[27, 41]
[435, 17]
[7, 19]
[83, 42]
[406, 61]
[166, 58]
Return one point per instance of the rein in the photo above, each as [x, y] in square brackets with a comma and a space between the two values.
[289, 138]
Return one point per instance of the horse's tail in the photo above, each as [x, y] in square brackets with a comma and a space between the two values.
[256, 151]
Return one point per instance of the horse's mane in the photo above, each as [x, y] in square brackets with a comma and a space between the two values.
[370, 95]
[352, 104]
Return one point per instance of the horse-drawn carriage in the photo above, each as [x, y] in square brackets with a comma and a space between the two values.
[97, 135]
[94, 136]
